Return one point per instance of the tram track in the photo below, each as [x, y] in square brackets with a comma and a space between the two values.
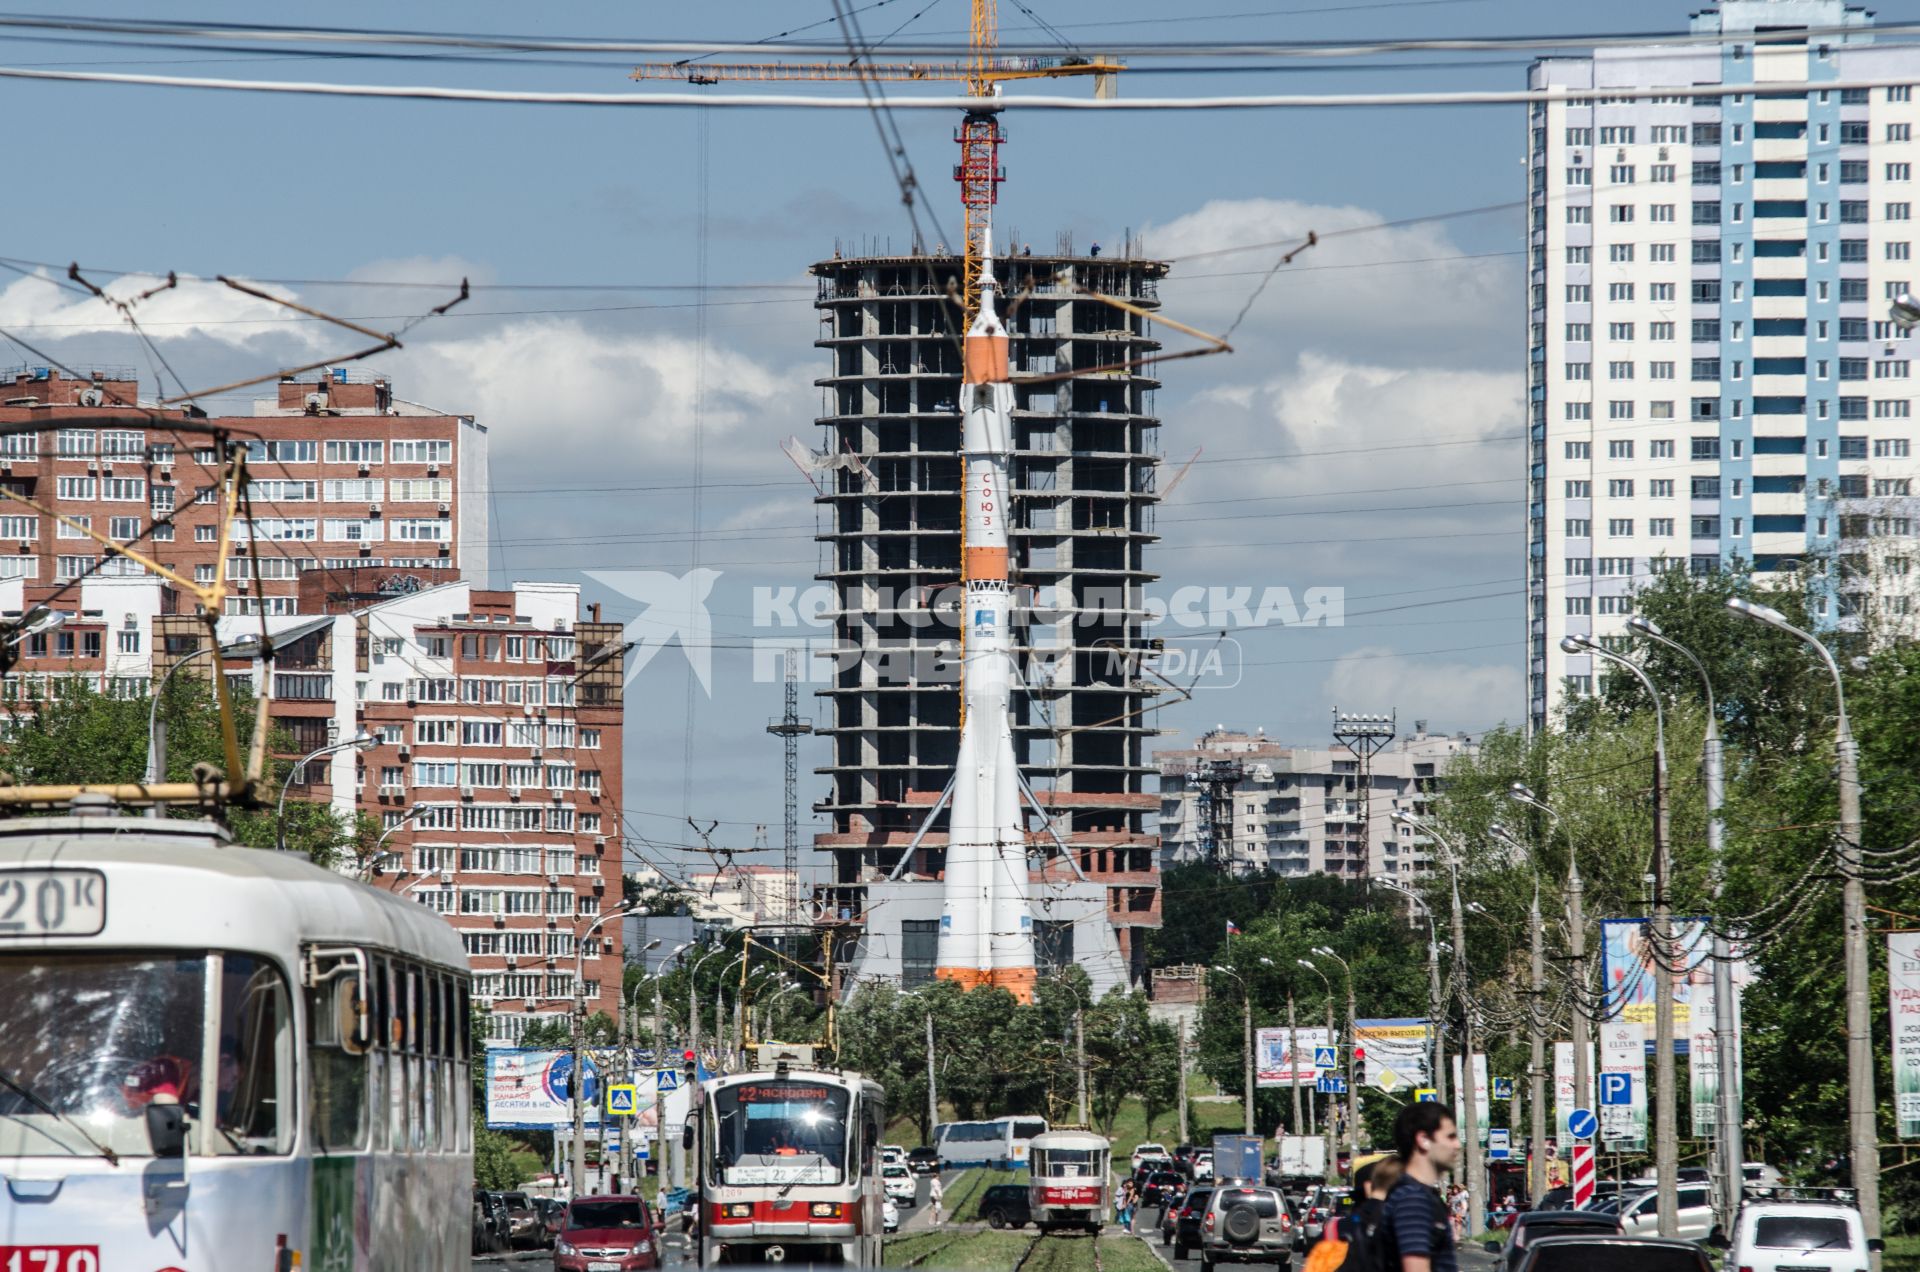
[1058, 1252]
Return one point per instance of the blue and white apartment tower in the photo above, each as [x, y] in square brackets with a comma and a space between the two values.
[1712, 372]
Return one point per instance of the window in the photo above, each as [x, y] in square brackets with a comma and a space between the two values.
[1579, 605]
[74, 443]
[206, 534]
[1579, 215]
[1890, 448]
[1620, 174]
[1579, 450]
[352, 452]
[1579, 294]
[1659, 331]
[1620, 528]
[1579, 332]
[1660, 370]
[1620, 410]
[1619, 291]
[422, 452]
[124, 529]
[1661, 448]
[1897, 212]
[1661, 293]
[1705, 448]
[1577, 410]
[1579, 528]
[1620, 370]
[1662, 174]
[1620, 448]
[1661, 213]
[1659, 253]
[74, 487]
[1579, 176]
[1579, 371]
[1899, 132]
[367, 490]
[1579, 136]
[1706, 213]
[1578, 489]
[282, 452]
[1892, 486]
[75, 527]
[1620, 488]
[1706, 368]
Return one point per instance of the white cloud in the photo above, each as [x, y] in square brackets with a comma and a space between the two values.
[1455, 695]
[422, 269]
[197, 308]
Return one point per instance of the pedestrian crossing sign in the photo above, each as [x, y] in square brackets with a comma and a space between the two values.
[1324, 1058]
[623, 1099]
[665, 1080]
[1426, 1095]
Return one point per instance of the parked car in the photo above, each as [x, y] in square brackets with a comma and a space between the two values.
[900, 1184]
[1588, 1253]
[499, 1224]
[893, 1155]
[553, 1218]
[889, 1216]
[523, 1220]
[1319, 1205]
[923, 1161]
[1246, 1225]
[1535, 1225]
[1183, 1155]
[1149, 1149]
[1005, 1206]
[607, 1234]
[1799, 1236]
[1181, 1226]
[488, 1237]
[1640, 1216]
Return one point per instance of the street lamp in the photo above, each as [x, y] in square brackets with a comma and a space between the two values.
[1326, 1121]
[1536, 1012]
[1466, 1101]
[1353, 1046]
[1727, 1105]
[1862, 1137]
[373, 858]
[693, 1004]
[1293, 1047]
[443, 878]
[576, 1086]
[1666, 1138]
[156, 727]
[35, 622]
[1436, 1048]
[359, 741]
[1522, 794]
[1246, 1047]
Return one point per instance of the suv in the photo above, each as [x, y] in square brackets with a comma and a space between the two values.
[1005, 1206]
[1640, 1216]
[1141, 1152]
[524, 1223]
[924, 1161]
[1798, 1236]
[1246, 1225]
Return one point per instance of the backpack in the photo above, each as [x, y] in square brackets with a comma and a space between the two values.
[1330, 1254]
[1369, 1241]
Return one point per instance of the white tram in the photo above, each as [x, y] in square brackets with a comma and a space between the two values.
[1068, 1180]
[789, 1167]
[215, 1057]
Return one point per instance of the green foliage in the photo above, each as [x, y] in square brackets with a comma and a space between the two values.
[556, 1033]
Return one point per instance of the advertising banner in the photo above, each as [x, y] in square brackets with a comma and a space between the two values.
[1563, 1101]
[1274, 1066]
[1623, 1050]
[1903, 988]
[1627, 964]
[1482, 1108]
[528, 1090]
[1703, 1061]
[1396, 1052]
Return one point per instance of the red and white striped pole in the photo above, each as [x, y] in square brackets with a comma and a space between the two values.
[1584, 1173]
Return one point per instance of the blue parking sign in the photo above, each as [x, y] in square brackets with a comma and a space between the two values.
[1616, 1088]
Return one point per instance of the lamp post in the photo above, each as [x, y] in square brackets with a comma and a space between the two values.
[1436, 1049]
[373, 858]
[577, 1080]
[1666, 1138]
[1862, 1136]
[1353, 1047]
[630, 1148]
[359, 741]
[693, 1002]
[1536, 1037]
[1246, 1044]
[1293, 1047]
[1465, 1101]
[156, 727]
[443, 878]
[1326, 1119]
[1728, 1114]
[1520, 793]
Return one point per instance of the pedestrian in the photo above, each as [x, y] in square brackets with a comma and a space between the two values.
[1418, 1223]
[1458, 1211]
[1351, 1243]
[934, 1195]
[1124, 1214]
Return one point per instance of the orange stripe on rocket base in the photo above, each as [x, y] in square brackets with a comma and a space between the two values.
[986, 359]
[1017, 981]
[984, 563]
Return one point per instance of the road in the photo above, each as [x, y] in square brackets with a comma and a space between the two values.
[1473, 1258]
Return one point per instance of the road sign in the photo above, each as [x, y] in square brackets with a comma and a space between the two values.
[1325, 1058]
[1503, 1088]
[1332, 1085]
[623, 1099]
[1616, 1088]
[1584, 1174]
[666, 1080]
[1426, 1095]
[1499, 1144]
[1581, 1124]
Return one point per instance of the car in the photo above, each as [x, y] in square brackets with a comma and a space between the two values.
[553, 1218]
[1318, 1206]
[524, 1227]
[1180, 1228]
[923, 1161]
[900, 1184]
[1151, 1166]
[1160, 1185]
[1202, 1165]
[486, 1233]
[1799, 1236]
[892, 1155]
[1640, 1216]
[1005, 1206]
[1535, 1225]
[1589, 1253]
[1250, 1224]
[1183, 1155]
[889, 1215]
[1149, 1149]
[607, 1234]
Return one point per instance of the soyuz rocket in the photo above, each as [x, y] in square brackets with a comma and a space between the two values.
[986, 923]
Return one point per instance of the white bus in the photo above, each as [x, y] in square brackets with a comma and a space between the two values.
[215, 1058]
[1000, 1141]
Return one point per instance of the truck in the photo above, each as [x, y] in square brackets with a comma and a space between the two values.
[1236, 1159]
[1300, 1159]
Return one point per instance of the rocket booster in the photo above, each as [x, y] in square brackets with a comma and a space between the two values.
[986, 923]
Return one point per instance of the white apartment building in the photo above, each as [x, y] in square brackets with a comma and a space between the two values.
[1298, 810]
[1713, 375]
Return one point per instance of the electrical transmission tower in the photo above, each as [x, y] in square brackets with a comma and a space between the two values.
[789, 728]
[1364, 736]
[1213, 810]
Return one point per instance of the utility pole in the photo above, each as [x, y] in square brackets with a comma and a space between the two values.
[1537, 1054]
[1293, 1062]
[933, 1091]
[1438, 1024]
[1726, 1030]
[790, 727]
[1364, 736]
[1182, 1101]
[1469, 1114]
[1080, 1063]
[1246, 1053]
[1327, 1114]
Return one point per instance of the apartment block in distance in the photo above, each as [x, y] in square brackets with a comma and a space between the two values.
[1300, 810]
[1086, 468]
[346, 478]
[495, 767]
[1713, 374]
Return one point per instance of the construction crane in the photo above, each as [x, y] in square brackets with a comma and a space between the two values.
[978, 171]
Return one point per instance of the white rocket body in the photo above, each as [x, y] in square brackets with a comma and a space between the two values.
[986, 922]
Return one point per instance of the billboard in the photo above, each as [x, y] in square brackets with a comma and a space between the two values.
[1396, 1052]
[528, 1090]
[1627, 968]
[1903, 989]
[1623, 1050]
[1482, 1110]
[1275, 1066]
[1565, 1101]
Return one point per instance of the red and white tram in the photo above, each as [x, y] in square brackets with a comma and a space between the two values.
[789, 1167]
[1069, 1183]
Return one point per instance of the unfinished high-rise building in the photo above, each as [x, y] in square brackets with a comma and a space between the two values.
[1084, 490]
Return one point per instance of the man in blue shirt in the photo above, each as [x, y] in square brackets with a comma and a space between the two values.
[1417, 1218]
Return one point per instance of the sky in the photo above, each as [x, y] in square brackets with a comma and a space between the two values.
[1364, 435]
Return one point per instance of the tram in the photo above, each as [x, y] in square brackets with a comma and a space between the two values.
[219, 1058]
[1068, 1180]
[789, 1166]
